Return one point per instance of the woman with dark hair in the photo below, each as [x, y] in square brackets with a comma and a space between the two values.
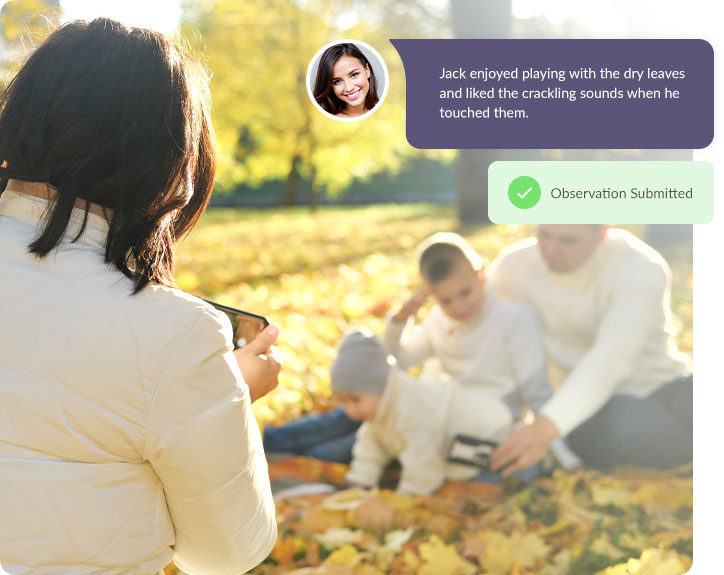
[126, 432]
[346, 85]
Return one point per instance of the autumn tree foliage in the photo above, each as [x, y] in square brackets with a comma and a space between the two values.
[267, 126]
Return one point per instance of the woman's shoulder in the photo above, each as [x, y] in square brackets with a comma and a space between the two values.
[177, 311]
[158, 318]
[175, 300]
[170, 328]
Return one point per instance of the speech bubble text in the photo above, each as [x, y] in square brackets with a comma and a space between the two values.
[559, 93]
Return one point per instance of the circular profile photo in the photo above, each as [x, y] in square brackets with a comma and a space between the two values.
[347, 80]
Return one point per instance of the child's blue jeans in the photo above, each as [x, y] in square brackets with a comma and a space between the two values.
[326, 436]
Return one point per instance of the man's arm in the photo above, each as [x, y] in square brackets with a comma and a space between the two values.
[638, 296]
[636, 305]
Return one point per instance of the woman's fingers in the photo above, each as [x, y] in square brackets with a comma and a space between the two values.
[275, 362]
[260, 363]
[262, 342]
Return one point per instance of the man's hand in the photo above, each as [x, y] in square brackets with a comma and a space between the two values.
[411, 306]
[524, 447]
[259, 363]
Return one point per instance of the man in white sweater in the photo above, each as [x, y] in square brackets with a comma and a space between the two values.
[602, 297]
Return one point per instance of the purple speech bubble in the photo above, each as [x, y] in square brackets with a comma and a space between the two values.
[552, 119]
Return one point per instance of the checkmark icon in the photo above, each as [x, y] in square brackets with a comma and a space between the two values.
[521, 196]
[524, 192]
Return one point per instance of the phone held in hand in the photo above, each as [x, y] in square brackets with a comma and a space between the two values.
[471, 451]
[245, 325]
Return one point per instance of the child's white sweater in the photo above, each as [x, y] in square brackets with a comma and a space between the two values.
[501, 352]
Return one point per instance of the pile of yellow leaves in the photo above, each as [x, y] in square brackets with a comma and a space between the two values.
[583, 523]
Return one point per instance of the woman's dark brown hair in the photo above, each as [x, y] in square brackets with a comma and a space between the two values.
[119, 117]
[323, 92]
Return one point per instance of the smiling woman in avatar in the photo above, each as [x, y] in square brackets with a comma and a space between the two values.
[345, 84]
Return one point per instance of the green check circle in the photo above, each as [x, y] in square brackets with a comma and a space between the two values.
[524, 192]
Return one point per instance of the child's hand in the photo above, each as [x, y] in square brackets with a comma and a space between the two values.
[411, 306]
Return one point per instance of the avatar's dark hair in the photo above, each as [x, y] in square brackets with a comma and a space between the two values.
[119, 117]
[323, 92]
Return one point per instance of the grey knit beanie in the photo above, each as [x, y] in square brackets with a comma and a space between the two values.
[361, 365]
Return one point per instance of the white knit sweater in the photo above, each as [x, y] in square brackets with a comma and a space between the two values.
[606, 324]
[501, 352]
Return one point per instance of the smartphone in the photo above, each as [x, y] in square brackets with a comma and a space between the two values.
[471, 451]
[245, 325]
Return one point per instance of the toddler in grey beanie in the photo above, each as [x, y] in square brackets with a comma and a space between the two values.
[362, 365]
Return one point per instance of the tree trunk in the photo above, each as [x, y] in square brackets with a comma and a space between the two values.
[292, 183]
[475, 19]
[313, 191]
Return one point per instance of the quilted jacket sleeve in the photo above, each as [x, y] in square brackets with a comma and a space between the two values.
[204, 444]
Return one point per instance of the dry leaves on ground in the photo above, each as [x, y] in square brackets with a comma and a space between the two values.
[584, 523]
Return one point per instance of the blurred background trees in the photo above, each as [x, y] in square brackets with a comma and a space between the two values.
[277, 149]
[266, 125]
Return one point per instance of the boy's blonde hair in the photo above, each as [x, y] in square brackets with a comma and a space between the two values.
[438, 254]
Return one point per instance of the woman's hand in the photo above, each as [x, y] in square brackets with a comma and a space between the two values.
[412, 305]
[259, 363]
[524, 447]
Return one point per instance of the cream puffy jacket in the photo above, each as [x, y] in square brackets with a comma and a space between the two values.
[126, 432]
[415, 422]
